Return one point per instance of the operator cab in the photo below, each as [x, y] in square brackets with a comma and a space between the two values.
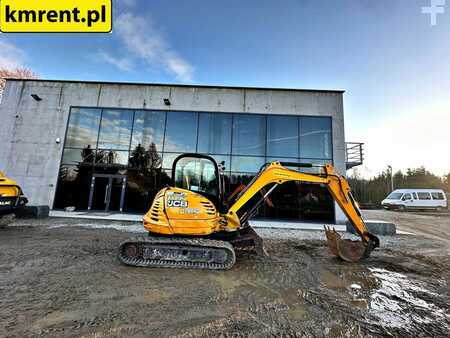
[200, 174]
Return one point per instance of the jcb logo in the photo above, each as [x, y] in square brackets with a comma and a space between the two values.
[177, 204]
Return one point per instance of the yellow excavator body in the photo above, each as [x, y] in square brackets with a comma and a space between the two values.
[194, 225]
[11, 198]
[8, 187]
[176, 211]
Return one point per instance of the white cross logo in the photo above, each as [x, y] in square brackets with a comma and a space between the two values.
[436, 7]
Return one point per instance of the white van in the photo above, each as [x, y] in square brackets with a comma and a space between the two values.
[415, 199]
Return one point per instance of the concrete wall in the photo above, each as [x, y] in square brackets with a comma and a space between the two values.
[29, 128]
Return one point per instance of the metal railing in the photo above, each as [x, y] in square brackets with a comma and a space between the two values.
[353, 154]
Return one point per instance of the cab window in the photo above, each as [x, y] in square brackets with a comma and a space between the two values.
[196, 174]
[415, 195]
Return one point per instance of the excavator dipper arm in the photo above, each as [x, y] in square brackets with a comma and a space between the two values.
[275, 174]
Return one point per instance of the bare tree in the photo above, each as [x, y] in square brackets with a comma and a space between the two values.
[18, 73]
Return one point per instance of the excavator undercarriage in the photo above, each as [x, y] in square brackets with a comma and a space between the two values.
[193, 225]
[215, 252]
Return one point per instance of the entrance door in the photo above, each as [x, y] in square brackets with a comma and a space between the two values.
[107, 192]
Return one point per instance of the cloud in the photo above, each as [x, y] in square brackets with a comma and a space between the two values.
[124, 64]
[143, 41]
[11, 57]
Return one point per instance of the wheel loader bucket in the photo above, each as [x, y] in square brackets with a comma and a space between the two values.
[348, 250]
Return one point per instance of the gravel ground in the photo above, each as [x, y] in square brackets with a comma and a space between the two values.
[61, 278]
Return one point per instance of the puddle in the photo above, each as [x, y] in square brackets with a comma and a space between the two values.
[390, 300]
[400, 302]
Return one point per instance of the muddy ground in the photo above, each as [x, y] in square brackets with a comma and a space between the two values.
[61, 280]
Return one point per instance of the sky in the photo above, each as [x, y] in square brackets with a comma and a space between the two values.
[392, 63]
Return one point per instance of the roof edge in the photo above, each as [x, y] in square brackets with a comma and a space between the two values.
[180, 85]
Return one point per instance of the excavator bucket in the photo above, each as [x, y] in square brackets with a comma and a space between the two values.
[348, 250]
[248, 238]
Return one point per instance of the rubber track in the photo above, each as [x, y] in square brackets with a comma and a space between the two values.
[190, 242]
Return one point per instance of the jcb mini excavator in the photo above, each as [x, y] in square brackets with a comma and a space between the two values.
[11, 198]
[193, 225]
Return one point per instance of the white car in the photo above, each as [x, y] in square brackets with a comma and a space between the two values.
[403, 199]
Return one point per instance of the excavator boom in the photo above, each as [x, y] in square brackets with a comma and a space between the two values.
[275, 174]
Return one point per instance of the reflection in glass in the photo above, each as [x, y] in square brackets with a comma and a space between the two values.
[246, 163]
[72, 156]
[148, 129]
[300, 201]
[238, 181]
[168, 159]
[142, 188]
[315, 170]
[73, 187]
[77, 156]
[143, 164]
[282, 136]
[143, 159]
[83, 127]
[222, 158]
[249, 134]
[214, 134]
[115, 129]
[110, 157]
[315, 137]
[181, 132]
[286, 159]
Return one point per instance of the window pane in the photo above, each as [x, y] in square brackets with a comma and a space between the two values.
[286, 159]
[437, 195]
[222, 158]
[249, 134]
[181, 132]
[424, 196]
[142, 186]
[282, 136]
[168, 159]
[315, 137]
[214, 134]
[77, 156]
[246, 164]
[148, 129]
[83, 128]
[314, 170]
[115, 129]
[109, 157]
[281, 159]
[73, 187]
[143, 159]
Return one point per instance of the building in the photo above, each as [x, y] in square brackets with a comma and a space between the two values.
[110, 146]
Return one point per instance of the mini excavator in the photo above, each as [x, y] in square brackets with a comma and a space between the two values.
[11, 198]
[193, 225]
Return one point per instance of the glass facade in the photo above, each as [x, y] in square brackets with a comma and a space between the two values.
[138, 147]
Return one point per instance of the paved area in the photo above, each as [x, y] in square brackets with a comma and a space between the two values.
[60, 278]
